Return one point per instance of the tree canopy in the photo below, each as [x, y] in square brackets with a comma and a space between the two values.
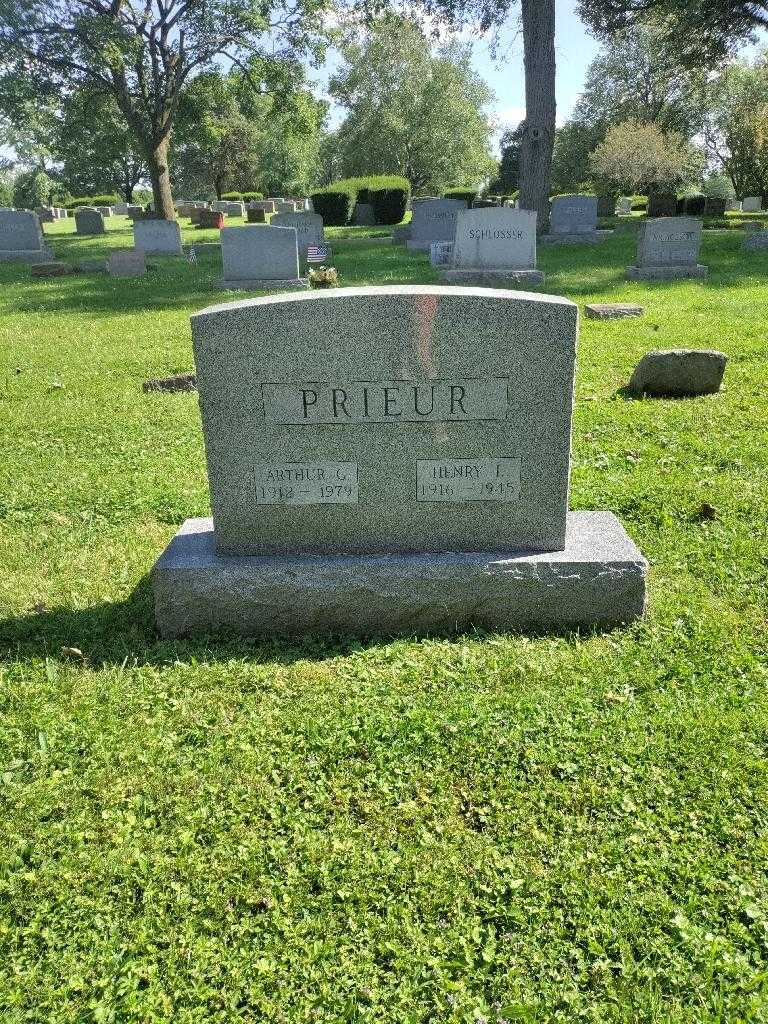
[411, 111]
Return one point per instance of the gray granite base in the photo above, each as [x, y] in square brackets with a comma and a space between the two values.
[268, 285]
[599, 580]
[491, 278]
[576, 238]
[43, 255]
[666, 273]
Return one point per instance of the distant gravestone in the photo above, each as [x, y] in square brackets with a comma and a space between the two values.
[211, 219]
[127, 263]
[757, 241]
[733, 205]
[21, 238]
[401, 233]
[433, 220]
[494, 248]
[257, 216]
[606, 206]
[624, 207]
[667, 248]
[309, 228]
[88, 221]
[284, 206]
[715, 207]
[662, 204]
[440, 254]
[752, 204]
[574, 219]
[267, 205]
[120, 209]
[134, 212]
[158, 237]
[391, 460]
[260, 257]
[46, 214]
[105, 211]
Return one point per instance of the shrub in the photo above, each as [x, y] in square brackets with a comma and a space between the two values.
[464, 192]
[93, 201]
[252, 197]
[387, 194]
[640, 203]
[232, 197]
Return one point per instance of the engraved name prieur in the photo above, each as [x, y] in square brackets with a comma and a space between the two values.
[388, 401]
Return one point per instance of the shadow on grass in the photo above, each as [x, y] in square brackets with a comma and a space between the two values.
[122, 633]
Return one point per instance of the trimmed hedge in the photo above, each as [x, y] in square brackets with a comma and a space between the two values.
[469, 194]
[93, 201]
[235, 197]
[387, 193]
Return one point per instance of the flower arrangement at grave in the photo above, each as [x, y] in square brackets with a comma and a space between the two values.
[323, 277]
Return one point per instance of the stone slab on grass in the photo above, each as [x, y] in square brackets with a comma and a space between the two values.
[180, 382]
[678, 373]
[492, 278]
[612, 310]
[670, 273]
[53, 269]
[597, 580]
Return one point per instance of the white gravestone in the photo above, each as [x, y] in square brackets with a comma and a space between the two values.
[752, 204]
[668, 248]
[157, 237]
[260, 256]
[494, 247]
[21, 238]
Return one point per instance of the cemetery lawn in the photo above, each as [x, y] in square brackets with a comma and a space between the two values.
[478, 828]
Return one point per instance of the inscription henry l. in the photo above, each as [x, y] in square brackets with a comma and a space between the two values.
[388, 401]
[467, 480]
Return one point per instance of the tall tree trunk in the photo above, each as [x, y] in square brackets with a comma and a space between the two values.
[157, 159]
[539, 136]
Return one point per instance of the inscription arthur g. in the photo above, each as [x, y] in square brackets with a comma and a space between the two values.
[387, 401]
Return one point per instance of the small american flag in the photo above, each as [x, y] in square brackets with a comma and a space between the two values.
[192, 255]
[317, 253]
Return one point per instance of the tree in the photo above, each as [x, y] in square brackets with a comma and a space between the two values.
[508, 179]
[32, 189]
[538, 130]
[98, 152]
[633, 78]
[698, 32]
[736, 125]
[411, 111]
[231, 137]
[640, 158]
[30, 111]
[142, 52]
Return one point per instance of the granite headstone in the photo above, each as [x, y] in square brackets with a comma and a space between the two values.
[494, 247]
[158, 237]
[88, 221]
[433, 220]
[260, 256]
[21, 238]
[668, 248]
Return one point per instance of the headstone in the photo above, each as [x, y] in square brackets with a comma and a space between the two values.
[158, 237]
[678, 373]
[574, 219]
[494, 248]
[733, 205]
[715, 207]
[441, 254]
[121, 209]
[211, 219]
[668, 247]
[46, 214]
[257, 216]
[267, 205]
[757, 241]
[105, 211]
[624, 208]
[752, 204]
[401, 233]
[88, 221]
[260, 257]
[284, 206]
[134, 212]
[52, 269]
[21, 238]
[433, 220]
[309, 228]
[391, 460]
[195, 214]
[127, 263]
[364, 215]
[612, 310]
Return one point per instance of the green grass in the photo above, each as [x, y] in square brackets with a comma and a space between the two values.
[478, 828]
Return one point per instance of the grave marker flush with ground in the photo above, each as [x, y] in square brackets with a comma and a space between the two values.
[391, 459]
